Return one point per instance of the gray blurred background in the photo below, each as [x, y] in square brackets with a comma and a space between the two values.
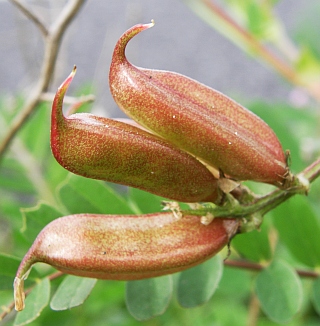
[179, 41]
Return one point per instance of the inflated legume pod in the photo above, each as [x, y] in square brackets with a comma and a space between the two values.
[101, 148]
[198, 119]
[124, 247]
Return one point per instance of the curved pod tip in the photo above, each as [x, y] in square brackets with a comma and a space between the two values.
[100, 148]
[124, 247]
[198, 119]
[65, 85]
[148, 25]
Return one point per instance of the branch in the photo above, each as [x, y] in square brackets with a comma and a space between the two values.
[258, 267]
[253, 210]
[48, 97]
[52, 43]
[243, 264]
[312, 172]
[253, 44]
[23, 7]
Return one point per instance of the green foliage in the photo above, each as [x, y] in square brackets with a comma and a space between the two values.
[207, 283]
[197, 285]
[36, 218]
[261, 251]
[35, 190]
[8, 273]
[279, 290]
[76, 195]
[72, 292]
[316, 294]
[299, 229]
[293, 127]
[148, 298]
[308, 64]
[35, 303]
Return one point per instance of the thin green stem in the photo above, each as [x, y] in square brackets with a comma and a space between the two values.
[259, 206]
[312, 172]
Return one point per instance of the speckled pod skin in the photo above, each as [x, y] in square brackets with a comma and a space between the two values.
[105, 149]
[197, 118]
[125, 247]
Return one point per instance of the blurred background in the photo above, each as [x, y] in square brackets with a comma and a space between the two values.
[34, 189]
[179, 41]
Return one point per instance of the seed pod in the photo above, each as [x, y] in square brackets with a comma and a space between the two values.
[106, 149]
[197, 118]
[124, 247]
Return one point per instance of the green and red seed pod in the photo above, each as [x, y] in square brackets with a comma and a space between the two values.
[197, 119]
[124, 247]
[105, 149]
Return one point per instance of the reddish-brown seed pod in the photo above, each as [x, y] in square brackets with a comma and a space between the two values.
[106, 149]
[125, 247]
[197, 118]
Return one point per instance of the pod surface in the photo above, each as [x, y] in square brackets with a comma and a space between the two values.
[126, 247]
[106, 149]
[196, 118]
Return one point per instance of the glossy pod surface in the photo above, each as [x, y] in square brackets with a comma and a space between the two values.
[197, 118]
[106, 149]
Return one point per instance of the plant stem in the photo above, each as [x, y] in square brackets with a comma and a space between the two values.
[28, 13]
[53, 37]
[260, 205]
[254, 310]
[48, 97]
[258, 267]
[312, 172]
[252, 44]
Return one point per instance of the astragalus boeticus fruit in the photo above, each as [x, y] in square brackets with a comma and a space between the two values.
[198, 119]
[124, 247]
[101, 148]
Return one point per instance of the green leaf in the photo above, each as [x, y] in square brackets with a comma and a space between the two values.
[35, 302]
[197, 284]
[9, 266]
[8, 269]
[250, 15]
[55, 174]
[279, 290]
[72, 292]
[13, 176]
[308, 65]
[36, 134]
[82, 195]
[288, 120]
[145, 202]
[226, 311]
[299, 230]
[315, 295]
[261, 250]
[235, 284]
[36, 218]
[148, 298]
[256, 18]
